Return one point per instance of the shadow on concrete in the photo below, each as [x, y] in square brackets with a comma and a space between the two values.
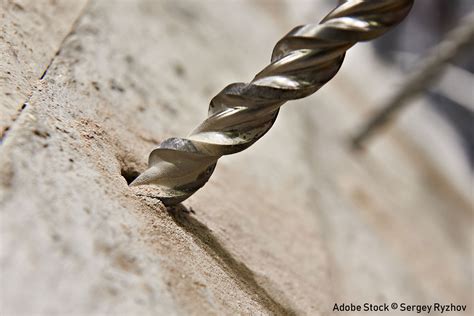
[238, 271]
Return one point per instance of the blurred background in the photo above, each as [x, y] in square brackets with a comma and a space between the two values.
[428, 25]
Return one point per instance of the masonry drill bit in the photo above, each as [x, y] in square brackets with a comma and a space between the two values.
[302, 62]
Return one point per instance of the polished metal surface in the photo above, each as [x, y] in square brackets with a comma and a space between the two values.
[302, 62]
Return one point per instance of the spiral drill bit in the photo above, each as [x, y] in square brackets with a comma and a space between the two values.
[302, 62]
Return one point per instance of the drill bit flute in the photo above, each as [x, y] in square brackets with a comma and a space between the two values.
[302, 62]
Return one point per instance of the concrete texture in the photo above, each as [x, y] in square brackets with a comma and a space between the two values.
[31, 34]
[291, 226]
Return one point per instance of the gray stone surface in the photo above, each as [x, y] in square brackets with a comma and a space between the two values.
[292, 225]
[31, 34]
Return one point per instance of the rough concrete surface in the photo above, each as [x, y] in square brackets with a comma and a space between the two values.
[31, 33]
[291, 226]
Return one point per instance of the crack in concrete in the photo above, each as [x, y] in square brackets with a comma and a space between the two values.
[74, 25]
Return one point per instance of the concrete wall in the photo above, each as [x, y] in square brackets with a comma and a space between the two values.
[293, 225]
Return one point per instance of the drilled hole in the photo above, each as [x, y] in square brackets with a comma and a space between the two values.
[129, 175]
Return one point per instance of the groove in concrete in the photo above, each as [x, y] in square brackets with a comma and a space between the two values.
[4, 133]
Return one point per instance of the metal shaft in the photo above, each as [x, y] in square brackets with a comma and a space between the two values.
[428, 70]
[302, 61]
